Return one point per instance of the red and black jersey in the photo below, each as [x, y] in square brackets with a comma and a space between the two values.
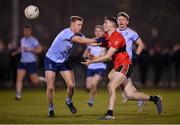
[117, 41]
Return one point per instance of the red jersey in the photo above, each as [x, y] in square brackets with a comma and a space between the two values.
[117, 41]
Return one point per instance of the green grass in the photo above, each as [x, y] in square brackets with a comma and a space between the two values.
[33, 108]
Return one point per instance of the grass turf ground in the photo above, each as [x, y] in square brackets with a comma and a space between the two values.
[33, 108]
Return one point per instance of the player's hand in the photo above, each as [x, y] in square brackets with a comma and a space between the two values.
[95, 44]
[101, 40]
[14, 53]
[83, 59]
[87, 62]
[91, 57]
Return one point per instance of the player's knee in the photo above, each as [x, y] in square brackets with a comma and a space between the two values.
[50, 88]
[35, 81]
[109, 76]
[129, 95]
[93, 86]
[71, 86]
[18, 81]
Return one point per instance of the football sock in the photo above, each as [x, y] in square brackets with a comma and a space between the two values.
[91, 101]
[68, 100]
[51, 107]
[18, 94]
[110, 112]
[153, 98]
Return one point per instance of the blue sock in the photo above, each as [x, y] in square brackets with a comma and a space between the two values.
[140, 102]
[51, 107]
[68, 100]
[18, 94]
[91, 101]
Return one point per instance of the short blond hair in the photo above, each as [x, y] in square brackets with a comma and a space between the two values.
[99, 26]
[124, 14]
[75, 18]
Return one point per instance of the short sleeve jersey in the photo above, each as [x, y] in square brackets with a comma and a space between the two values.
[28, 42]
[117, 41]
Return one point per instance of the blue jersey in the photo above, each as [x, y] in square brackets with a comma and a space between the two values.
[28, 42]
[96, 51]
[130, 37]
[59, 50]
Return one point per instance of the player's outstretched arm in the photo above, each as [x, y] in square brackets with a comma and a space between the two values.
[107, 56]
[83, 40]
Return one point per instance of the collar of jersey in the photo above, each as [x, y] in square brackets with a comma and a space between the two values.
[122, 29]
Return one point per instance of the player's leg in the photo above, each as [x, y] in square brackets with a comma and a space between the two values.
[117, 78]
[128, 89]
[88, 82]
[35, 79]
[21, 72]
[50, 78]
[32, 70]
[19, 83]
[88, 86]
[89, 78]
[115, 81]
[140, 103]
[95, 80]
[50, 75]
[129, 92]
[69, 78]
[110, 74]
[125, 99]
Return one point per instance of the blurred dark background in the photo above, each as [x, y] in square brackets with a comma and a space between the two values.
[156, 21]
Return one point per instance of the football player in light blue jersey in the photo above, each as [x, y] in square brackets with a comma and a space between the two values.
[29, 48]
[57, 61]
[95, 71]
[131, 38]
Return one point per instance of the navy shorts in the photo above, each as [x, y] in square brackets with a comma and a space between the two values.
[92, 72]
[30, 68]
[56, 67]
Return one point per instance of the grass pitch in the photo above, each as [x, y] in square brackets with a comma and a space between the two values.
[33, 108]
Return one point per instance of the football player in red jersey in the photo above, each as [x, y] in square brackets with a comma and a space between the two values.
[119, 75]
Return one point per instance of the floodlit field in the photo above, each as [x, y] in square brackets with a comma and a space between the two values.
[33, 108]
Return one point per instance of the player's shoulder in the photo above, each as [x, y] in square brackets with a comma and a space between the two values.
[131, 31]
[66, 31]
[23, 38]
[79, 34]
[33, 39]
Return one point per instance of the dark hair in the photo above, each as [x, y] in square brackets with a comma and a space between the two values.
[112, 19]
[27, 26]
[124, 14]
[75, 18]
